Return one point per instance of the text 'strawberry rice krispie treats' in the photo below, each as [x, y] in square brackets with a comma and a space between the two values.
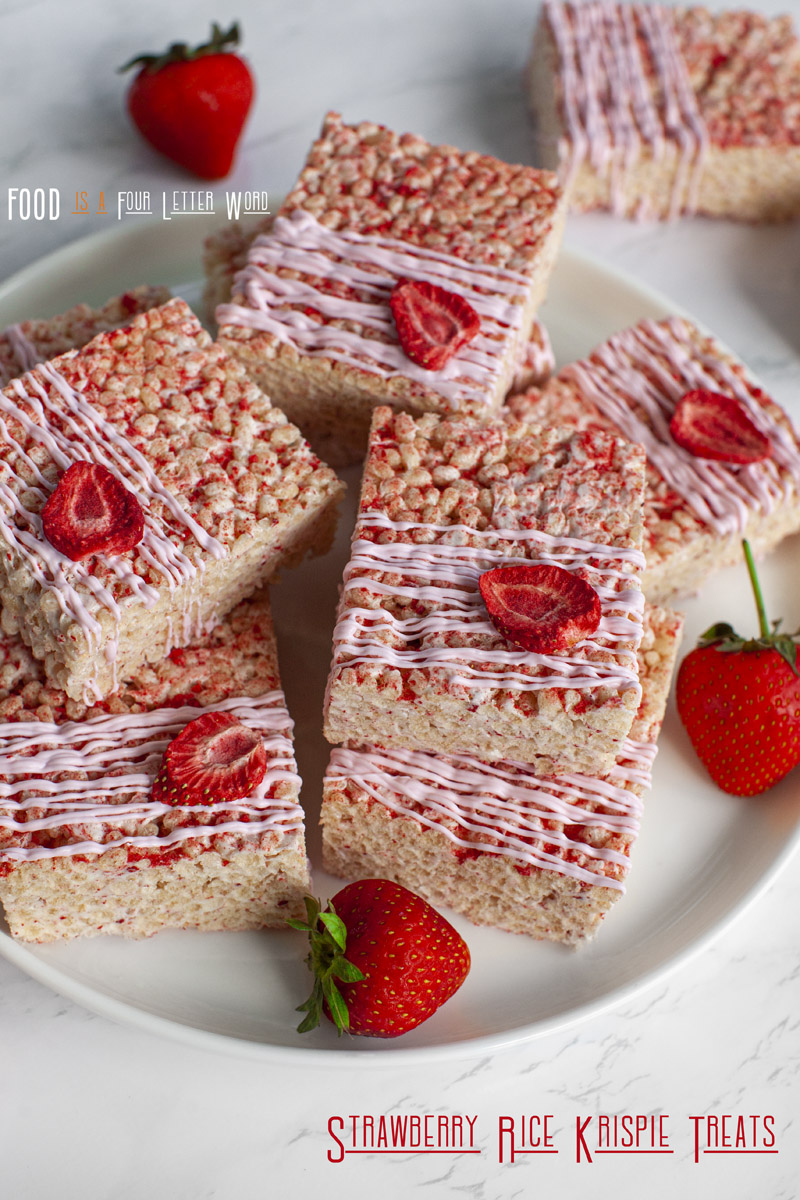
[86, 847]
[544, 856]
[220, 490]
[697, 509]
[27, 343]
[311, 316]
[225, 254]
[654, 111]
[417, 661]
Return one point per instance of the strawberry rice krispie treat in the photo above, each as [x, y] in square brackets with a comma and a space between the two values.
[24, 345]
[543, 856]
[173, 803]
[396, 273]
[723, 459]
[146, 487]
[653, 111]
[491, 604]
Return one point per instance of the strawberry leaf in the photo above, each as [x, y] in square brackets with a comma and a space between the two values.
[335, 927]
[327, 937]
[787, 648]
[221, 41]
[720, 632]
[336, 1006]
[348, 972]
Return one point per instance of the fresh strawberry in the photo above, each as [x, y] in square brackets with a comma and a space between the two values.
[740, 702]
[91, 512]
[710, 425]
[403, 959]
[540, 608]
[191, 104]
[432, 323]
[213, 759]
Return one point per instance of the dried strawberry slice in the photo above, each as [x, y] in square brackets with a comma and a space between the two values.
[711, 425]
[214, 758]
[541, 608]
[91, 512]
[432, 323]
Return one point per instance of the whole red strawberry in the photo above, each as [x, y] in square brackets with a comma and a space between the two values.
[740, 702]
[404, 960]
[191, 104]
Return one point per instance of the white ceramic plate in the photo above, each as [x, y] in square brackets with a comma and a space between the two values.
[700, 859]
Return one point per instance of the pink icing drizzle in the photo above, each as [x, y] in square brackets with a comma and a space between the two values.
[506, 803]
[614, 112]
[372, 265]
[135, 743]
[360, 635]
[631, 371]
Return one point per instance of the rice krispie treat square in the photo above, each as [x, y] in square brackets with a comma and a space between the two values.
[219, 487]
[696, 509]
[24, 345]
[417, 661]
[311, 318]
[84, 846]
[652, 111]
[547, 857]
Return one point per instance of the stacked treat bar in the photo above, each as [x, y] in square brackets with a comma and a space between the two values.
[147, 489]
[503, 782]
[654, 111]
[310, 315]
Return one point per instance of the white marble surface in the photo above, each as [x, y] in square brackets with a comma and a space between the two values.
[91, 1109]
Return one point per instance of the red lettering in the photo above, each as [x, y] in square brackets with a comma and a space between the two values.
[331, 1122]
[768, 1129]
[580, 1129]
[399, 1128]
[505, 1128]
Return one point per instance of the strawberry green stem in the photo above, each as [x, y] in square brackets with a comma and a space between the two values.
[221, 41]
[751, 570]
